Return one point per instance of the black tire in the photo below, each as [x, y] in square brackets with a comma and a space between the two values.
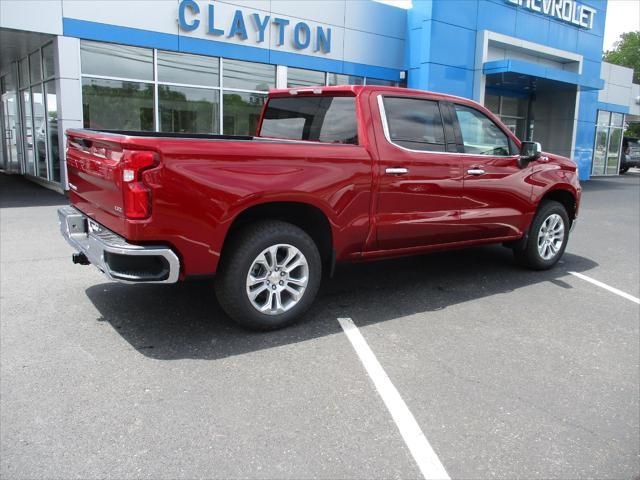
[246, 245]
[529, 256]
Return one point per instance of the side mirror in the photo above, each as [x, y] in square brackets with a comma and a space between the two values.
[529, 151]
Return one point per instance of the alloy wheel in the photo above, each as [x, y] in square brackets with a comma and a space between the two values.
[277, 279]
[550, 236]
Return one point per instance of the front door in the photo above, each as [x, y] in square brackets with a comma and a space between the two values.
[496, 191]
[420, 182]
[7, 128]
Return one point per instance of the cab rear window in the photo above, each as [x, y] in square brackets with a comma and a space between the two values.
[329, 119]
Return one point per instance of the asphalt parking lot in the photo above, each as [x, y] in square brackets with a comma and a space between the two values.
[508, 373]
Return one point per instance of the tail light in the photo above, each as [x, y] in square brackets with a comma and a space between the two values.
[137, 195]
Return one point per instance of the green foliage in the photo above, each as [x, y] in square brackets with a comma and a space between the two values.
[626, 52]
[633, 130]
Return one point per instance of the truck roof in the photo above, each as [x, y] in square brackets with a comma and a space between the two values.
[357, 89]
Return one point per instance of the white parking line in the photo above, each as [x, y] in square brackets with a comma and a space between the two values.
[419, 446]
[606, 287]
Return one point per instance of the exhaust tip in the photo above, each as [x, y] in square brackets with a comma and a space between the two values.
[80, 259]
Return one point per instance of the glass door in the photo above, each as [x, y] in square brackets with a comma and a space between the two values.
[615, 144]
[606, 152]
[599, 163]
[25, 97]
[39, 131]
[10, 131]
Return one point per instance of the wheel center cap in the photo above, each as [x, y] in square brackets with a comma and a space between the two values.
[274, 277]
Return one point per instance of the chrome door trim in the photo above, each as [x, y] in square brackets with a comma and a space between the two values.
[385, 129]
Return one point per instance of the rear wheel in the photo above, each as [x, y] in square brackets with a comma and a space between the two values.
[548, 237]
[270, 276]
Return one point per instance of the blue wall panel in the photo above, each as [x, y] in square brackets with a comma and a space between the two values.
[532, 27]
[588, 105]
[591, 68]
[452, 45]
[500, 18]
[562, 37]
[583, 159]
[612, 107]
[585, 134]
[590, 45]
[451, 80]
[461, 13]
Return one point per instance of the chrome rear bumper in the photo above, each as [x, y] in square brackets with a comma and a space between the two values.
[113, 255]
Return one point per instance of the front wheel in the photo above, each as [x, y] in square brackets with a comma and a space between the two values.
[269, 276]
[548, 237]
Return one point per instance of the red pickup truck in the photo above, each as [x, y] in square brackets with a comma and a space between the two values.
[333, 174]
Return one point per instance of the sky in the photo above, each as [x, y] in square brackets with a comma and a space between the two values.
[622, 16]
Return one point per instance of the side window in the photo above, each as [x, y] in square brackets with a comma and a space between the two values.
[317, 118]
[480, 135]
[415, 123]
[339, 125]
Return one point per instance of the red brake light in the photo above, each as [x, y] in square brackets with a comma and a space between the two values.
[137, 195]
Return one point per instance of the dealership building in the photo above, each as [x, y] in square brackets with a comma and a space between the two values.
[204, 66]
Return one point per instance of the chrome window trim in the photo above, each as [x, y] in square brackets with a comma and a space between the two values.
[385, 129]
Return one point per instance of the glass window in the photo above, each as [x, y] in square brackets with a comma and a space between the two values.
[40, 130]
[325, 119]
[52, 129]
[607, 151]
[117, 105]
[189, 69]
[617, 119]
[298, 77]
[604, 118]
[415, 123]
[600, 151]
[383, 83]
[479, 134]
[24, 72]
[340, 79]
[514, 107]
[47, 61]
[340, 125]
[116, 60]
[6, 83]
[242, 112]
[35, 67]
[492, 102]
[613, 152]
[249, 75]
[25, 96]
[188, 110]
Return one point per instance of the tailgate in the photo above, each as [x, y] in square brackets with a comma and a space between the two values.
[109, 177]
[95, 171]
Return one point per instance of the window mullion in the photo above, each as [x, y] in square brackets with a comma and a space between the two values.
[220, 100]
[156, 100]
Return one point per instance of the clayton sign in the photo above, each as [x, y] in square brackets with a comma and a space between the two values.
[565, 10]
[253, 27]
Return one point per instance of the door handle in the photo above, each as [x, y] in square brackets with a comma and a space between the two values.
[397, 171]
[475, 171]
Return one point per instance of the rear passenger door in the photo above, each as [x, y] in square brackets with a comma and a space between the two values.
[419, 173]
[496, 191]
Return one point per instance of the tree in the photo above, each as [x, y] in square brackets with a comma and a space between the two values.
[626, 52]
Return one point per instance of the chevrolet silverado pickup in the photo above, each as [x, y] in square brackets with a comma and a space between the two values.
[333, 174]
